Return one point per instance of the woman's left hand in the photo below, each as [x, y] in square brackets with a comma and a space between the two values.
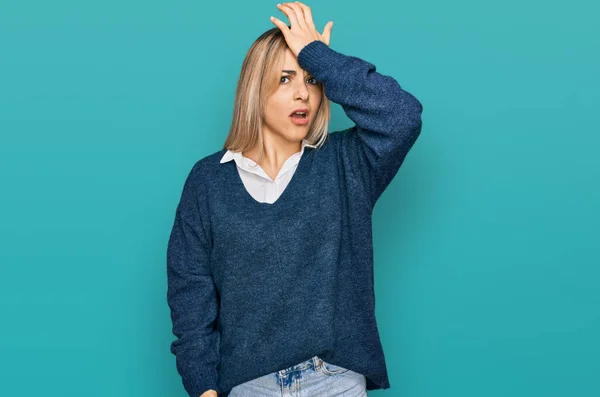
[302, 30]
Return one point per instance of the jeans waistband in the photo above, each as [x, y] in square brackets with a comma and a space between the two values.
[311, 362]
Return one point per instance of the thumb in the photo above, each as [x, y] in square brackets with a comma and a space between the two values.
[327, 32]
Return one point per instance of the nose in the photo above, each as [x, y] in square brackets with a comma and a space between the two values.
[301, 91]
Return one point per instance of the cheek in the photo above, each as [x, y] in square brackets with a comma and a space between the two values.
[275, 113]
[317, 93]
[275, 108]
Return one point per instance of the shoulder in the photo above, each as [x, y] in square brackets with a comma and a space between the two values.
[209, 161]
[340, 134]
[340, 138]
[204, 169]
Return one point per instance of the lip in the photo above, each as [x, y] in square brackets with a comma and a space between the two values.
[299, 121]
[300, 110]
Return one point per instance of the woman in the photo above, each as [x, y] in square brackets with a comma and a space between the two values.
[270, 259]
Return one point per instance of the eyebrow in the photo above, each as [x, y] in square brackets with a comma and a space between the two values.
[289, 71]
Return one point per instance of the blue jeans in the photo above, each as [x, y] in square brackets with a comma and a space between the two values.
[311, 378]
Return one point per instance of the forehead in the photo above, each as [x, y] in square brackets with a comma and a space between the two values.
[290, 61]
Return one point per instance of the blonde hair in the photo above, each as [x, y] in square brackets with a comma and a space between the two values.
[257, 82]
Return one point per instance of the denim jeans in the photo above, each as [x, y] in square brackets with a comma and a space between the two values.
[311, 378]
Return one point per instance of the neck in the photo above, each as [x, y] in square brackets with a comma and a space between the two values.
[276, 151]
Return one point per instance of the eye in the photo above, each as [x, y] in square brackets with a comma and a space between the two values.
[311, 78]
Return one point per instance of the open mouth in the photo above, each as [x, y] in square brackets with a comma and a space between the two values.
[299, 119]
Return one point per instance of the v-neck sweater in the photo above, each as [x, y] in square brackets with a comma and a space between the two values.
[257, 182]
[255, 288]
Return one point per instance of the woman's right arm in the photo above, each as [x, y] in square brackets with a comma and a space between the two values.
[192, 295]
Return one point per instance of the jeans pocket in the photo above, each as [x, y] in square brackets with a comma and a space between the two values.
[332, 369]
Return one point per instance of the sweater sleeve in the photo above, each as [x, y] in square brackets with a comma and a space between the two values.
[387, 118]
[192, 295]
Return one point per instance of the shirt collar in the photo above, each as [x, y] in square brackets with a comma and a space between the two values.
[230, 155]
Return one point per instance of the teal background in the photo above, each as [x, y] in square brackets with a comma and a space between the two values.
[487, 243]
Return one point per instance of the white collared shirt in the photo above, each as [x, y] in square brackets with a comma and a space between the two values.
[260, 185]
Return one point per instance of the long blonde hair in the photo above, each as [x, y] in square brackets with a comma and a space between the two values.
[257, 82]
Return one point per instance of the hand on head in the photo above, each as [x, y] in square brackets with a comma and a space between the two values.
[302, 30]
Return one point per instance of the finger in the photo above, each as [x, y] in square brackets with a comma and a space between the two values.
[327, 32]
[281, 25]
[298, 13]
[307, 14]
[289, 12]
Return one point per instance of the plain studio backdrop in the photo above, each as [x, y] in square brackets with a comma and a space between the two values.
[486, 244]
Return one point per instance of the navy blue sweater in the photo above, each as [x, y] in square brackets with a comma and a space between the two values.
[255, 287]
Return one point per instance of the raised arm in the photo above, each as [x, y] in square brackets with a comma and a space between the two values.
[388, 118]
[192, 295]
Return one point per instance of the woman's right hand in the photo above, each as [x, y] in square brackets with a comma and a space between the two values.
[209, 393]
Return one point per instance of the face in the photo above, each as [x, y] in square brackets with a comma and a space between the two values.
[297, 90]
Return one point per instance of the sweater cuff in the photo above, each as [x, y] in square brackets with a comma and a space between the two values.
[317, 57]
[198, 383]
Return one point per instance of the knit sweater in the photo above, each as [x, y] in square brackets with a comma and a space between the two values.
[255, 287]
